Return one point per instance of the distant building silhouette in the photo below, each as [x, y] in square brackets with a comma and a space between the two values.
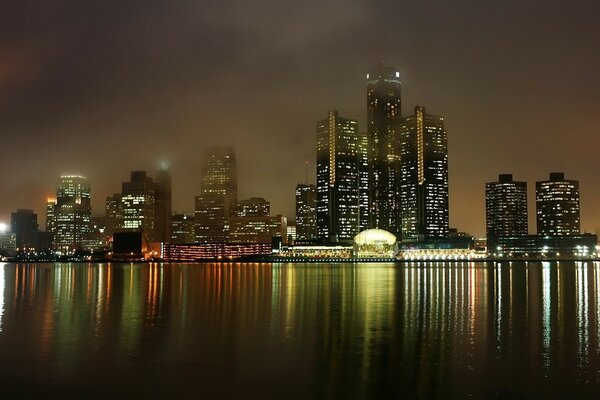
[557, 206]
[163, 206]
[24, 224]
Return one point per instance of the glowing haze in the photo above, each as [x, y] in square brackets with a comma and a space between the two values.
[99, 88]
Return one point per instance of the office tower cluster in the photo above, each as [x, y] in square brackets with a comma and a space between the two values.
[393, 177]
[219, 216]
[557, 218]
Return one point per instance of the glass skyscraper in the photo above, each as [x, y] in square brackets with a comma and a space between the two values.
[383, 121]
[423, 177]
[338, 179]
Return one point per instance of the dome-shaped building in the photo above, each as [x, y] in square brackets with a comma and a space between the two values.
[375, 243]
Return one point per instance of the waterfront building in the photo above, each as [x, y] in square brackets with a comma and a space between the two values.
[213, 251]
[375, 243]
[557, 206]
[8, 243]
[337, 179]
[423, 181]
[182, 228]
[383, 121]
[218, 193]
[306, 212]
[505, 208]
[72, 212]
[24, 224]
[138, 205]
[546, 247]
[162, 206]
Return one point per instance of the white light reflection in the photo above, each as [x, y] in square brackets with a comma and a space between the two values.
[582, 314]
[2, 276]
[547, 313]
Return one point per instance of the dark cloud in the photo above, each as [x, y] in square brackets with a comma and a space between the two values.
[103, 87]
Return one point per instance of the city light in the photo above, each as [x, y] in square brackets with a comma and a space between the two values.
[3, 227]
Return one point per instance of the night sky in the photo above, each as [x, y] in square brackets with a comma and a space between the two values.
[100, 87]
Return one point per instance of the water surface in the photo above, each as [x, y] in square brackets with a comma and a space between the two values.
[339, 331]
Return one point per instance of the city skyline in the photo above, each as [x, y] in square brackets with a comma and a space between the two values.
[496, 91]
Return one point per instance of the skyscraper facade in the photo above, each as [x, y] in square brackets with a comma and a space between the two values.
[182, 228]
[306, 212]
[337, 178]
[505, 209]
[423, 177]
[24, 224]
[50, 206]
[383, 121]
[253, 207]
[72, 212]
[364, 222]
[138, 199]
[218, 193]
[557, 206]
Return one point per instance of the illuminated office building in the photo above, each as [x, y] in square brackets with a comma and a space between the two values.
[383, 121]
[138, 199]
[557, 206]
[24, 224]
[505, 209]
[363, 182]
[218, 194]
[306, 212]
[423, 177]
[337, 179]
[72, 212]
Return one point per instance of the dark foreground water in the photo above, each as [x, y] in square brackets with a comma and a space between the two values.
[340, 331]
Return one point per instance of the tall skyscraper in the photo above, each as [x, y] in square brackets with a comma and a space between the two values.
[337, 178]
[218, 193]
[383, 121]
[138, 199]
[72, 213]
[306, 212]
[24, 224]
[163, 206]
[50, 206]
[505, 209]
[364, 222]
[423, 177]
[557, 206]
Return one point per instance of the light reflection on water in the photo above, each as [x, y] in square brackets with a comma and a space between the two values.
[430, 330]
